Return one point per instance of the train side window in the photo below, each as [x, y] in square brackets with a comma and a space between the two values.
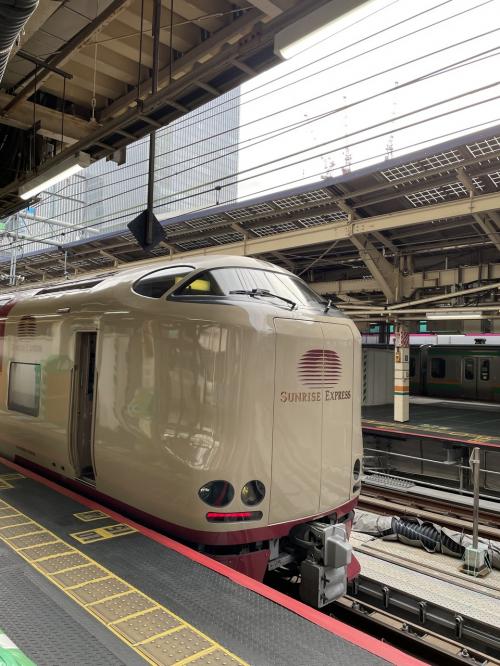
[469, 368]
[412, 366]
[203, 284]
[24, 388]
[438, 368]
[484, 370]
[155, 285]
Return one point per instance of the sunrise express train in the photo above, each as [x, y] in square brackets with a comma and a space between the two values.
[218, 399]
[469, 372]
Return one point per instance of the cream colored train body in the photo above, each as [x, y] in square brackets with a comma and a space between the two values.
[232, 420]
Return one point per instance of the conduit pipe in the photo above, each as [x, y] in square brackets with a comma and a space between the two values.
[13, 16]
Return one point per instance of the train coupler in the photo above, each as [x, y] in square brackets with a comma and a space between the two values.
[325, 567]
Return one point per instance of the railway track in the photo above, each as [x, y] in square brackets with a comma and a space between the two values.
[431, 646]
[433, 632]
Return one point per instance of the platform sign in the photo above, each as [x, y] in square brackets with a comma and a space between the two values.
[401, 373]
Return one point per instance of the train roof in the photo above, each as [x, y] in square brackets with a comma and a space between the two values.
[129, 273]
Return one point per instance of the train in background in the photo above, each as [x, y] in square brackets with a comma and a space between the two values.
[450, 371]
[417, 339]
[215, 398]
[465, 372]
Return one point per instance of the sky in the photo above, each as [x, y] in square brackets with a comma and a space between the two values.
[322, 71]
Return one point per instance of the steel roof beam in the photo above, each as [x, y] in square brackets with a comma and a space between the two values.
[74, 44]
[489, 229]
[182, 66]
[386, 275]
[432, 279]
[338, 231]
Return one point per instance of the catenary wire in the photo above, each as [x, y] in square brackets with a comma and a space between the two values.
[312, 148]
[180, 125]
[298, 124]
[95, 222]
[116, 217]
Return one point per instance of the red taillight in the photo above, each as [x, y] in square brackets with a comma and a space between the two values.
[232, 516]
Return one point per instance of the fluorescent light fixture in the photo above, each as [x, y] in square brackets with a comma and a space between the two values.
[54, 175]
[311, 28]
[453, 315]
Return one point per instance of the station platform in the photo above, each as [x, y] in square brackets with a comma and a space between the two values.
[83, 585]
[445, 420]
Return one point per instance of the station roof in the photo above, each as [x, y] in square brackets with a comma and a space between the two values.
[105, 102]
[379, 232]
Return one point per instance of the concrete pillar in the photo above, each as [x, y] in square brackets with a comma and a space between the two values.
[401, 373]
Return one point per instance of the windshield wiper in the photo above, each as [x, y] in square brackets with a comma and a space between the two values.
[265, 293]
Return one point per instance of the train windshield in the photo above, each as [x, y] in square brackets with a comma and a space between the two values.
[251, 282]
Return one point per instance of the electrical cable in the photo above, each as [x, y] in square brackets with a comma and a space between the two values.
[298, 124]
[114, 217]
[194, 114]
[280, 78]
[312, 148]
[180, 125]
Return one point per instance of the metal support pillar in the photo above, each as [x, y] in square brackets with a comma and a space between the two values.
[475, 563]
[475, 462]
[384, 333]
[156, 24]
[13, 265]
[401, 373]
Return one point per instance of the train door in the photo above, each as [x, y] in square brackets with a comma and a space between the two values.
[83, 405]
[485, 379]
[469, 378]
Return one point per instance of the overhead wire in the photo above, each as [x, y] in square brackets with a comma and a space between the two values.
[314, 147]
[95, 222]
[282, 77]
[180, 125]
[300, 123]
[115, 217]
[277, 133]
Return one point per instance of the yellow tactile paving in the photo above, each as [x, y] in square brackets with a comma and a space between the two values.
[159, 636]
[90, 516]
[101, 533]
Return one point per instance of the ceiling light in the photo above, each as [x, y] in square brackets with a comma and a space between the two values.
[313, 27]
[54, 175]
[453, 315]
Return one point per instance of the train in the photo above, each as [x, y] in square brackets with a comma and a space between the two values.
[469, 372]
[215, 398]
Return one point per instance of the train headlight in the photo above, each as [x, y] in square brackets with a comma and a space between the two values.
[216, 493]
[253, 493]
[356, 470]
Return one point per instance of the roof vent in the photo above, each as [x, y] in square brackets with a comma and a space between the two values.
[26, 327]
